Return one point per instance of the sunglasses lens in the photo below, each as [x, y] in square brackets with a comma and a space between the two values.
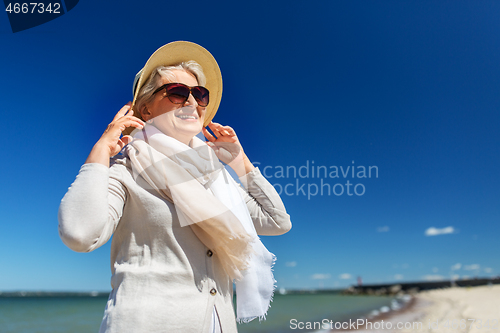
[177, 94]
[201, 95]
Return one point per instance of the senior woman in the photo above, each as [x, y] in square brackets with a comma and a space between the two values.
[183, 229]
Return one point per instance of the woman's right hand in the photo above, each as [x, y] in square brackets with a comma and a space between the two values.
[110, 142]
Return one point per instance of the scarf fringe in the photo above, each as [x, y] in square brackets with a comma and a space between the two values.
[246, 320]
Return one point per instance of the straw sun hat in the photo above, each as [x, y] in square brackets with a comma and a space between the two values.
[173, 54]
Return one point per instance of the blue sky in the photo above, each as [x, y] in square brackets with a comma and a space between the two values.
[408, 87]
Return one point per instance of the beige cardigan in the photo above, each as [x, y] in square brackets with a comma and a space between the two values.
[163, 278]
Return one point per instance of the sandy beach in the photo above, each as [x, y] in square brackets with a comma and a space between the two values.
[458, 309]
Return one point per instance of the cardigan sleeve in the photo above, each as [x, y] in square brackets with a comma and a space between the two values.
[90, 210]
[264, 204]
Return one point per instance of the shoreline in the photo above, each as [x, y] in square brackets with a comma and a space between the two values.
[455, 309]
[410, 311]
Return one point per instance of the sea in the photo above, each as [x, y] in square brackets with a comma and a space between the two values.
[54, 313]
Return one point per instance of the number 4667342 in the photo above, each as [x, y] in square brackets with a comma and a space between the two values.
[33, 7]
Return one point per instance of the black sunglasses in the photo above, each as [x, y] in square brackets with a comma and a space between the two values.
[178, 93]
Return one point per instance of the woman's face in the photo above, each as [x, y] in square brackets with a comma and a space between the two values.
[180, 121]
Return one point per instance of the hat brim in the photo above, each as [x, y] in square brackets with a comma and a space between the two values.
[173, 54]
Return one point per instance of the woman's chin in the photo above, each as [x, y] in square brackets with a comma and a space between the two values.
[186, 129]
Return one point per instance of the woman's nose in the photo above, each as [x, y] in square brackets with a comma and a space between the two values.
[191, 101]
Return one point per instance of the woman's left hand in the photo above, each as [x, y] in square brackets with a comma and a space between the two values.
[228, 148]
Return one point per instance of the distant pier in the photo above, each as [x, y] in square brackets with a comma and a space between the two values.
[415, 287]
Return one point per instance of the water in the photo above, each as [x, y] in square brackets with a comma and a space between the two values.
[51, 314]
[84, 314]
[313, 307]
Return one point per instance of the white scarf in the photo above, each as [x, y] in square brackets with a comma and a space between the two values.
[208, 200]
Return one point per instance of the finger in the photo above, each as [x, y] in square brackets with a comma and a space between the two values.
[121, 144]
[215, 128]
[126, 139]
[132, 118]
[116, 128]
[208, 135]
[216, 135]
[123, 111]
[129, 121]
[121, 127]
[224, 130]
[220, 126]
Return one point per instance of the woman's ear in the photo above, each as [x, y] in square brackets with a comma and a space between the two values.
[145, 113]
